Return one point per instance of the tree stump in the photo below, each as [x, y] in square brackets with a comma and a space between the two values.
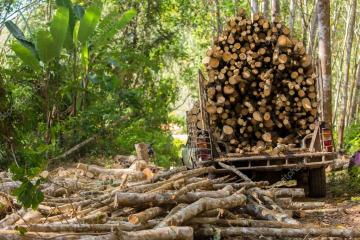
[142, 151]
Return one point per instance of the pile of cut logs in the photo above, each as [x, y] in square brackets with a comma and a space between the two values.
[261, 87]
[92, 202]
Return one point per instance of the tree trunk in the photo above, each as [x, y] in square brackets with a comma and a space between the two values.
[352, 88]
[292, 15]
[356, 99]
[275, 9]
[313, 28]
[349, 40]
[325, 57]
[218, 17]
[254, 7]
[266, 8]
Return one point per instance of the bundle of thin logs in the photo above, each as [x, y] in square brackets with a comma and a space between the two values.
[177, 204]
[261, 88]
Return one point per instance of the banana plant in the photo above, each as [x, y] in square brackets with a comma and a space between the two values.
[48, 43]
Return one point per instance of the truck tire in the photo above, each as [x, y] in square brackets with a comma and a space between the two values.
[317, 182]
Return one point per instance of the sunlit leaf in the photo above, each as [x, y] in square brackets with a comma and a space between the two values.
[59, 27]
[88, 22]
[85, 57]
[64, 3]
[111, 25]
[26, 55]
[45, 46]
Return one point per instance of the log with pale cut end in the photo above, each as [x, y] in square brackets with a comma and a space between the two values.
[284, 41]
[228, 130]
[214, 62]
[257, 116]
[267, 137]
[145, 215]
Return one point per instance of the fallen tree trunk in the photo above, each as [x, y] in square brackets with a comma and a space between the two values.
[202, 205]
[278, 232]
[166, 233]
[145, 215]
[260, 212]
[114, 172]
[158, 199]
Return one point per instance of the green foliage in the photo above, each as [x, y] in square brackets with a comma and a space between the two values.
[352, 138]
[88, 22]
[45, 46]
[29, 194]
[59, 28]
[110, 25]
[344, 183]
[166, 153]
[26, 55]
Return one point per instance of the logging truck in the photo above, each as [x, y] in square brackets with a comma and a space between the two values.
[258, 108]
[305, 163]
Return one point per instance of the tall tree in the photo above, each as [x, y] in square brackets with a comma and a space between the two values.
[356, 99]
[254, 6]
[292, 14]
[218, 17]
[349, 41]
[265, 8]
[325, 57]
[313, 28]
[275, 9]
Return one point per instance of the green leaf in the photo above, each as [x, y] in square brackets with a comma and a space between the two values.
[28, 194]
[26, 55]
[68, 44]
[88, 22]
[85, 57]
[64, 3]
[15, 30]
[45, 46]
[19, 35]
[111, 25]
[59, 28]
[75, 33]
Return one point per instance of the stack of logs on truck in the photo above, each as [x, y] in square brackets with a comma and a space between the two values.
[261, 86]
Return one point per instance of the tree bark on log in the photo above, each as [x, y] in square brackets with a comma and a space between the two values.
[159, 199]
[202, 205]
[145, 215]
[114, 172]
[260, 212]
[278, 232]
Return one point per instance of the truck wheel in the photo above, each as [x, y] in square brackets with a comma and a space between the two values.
[317, 182]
